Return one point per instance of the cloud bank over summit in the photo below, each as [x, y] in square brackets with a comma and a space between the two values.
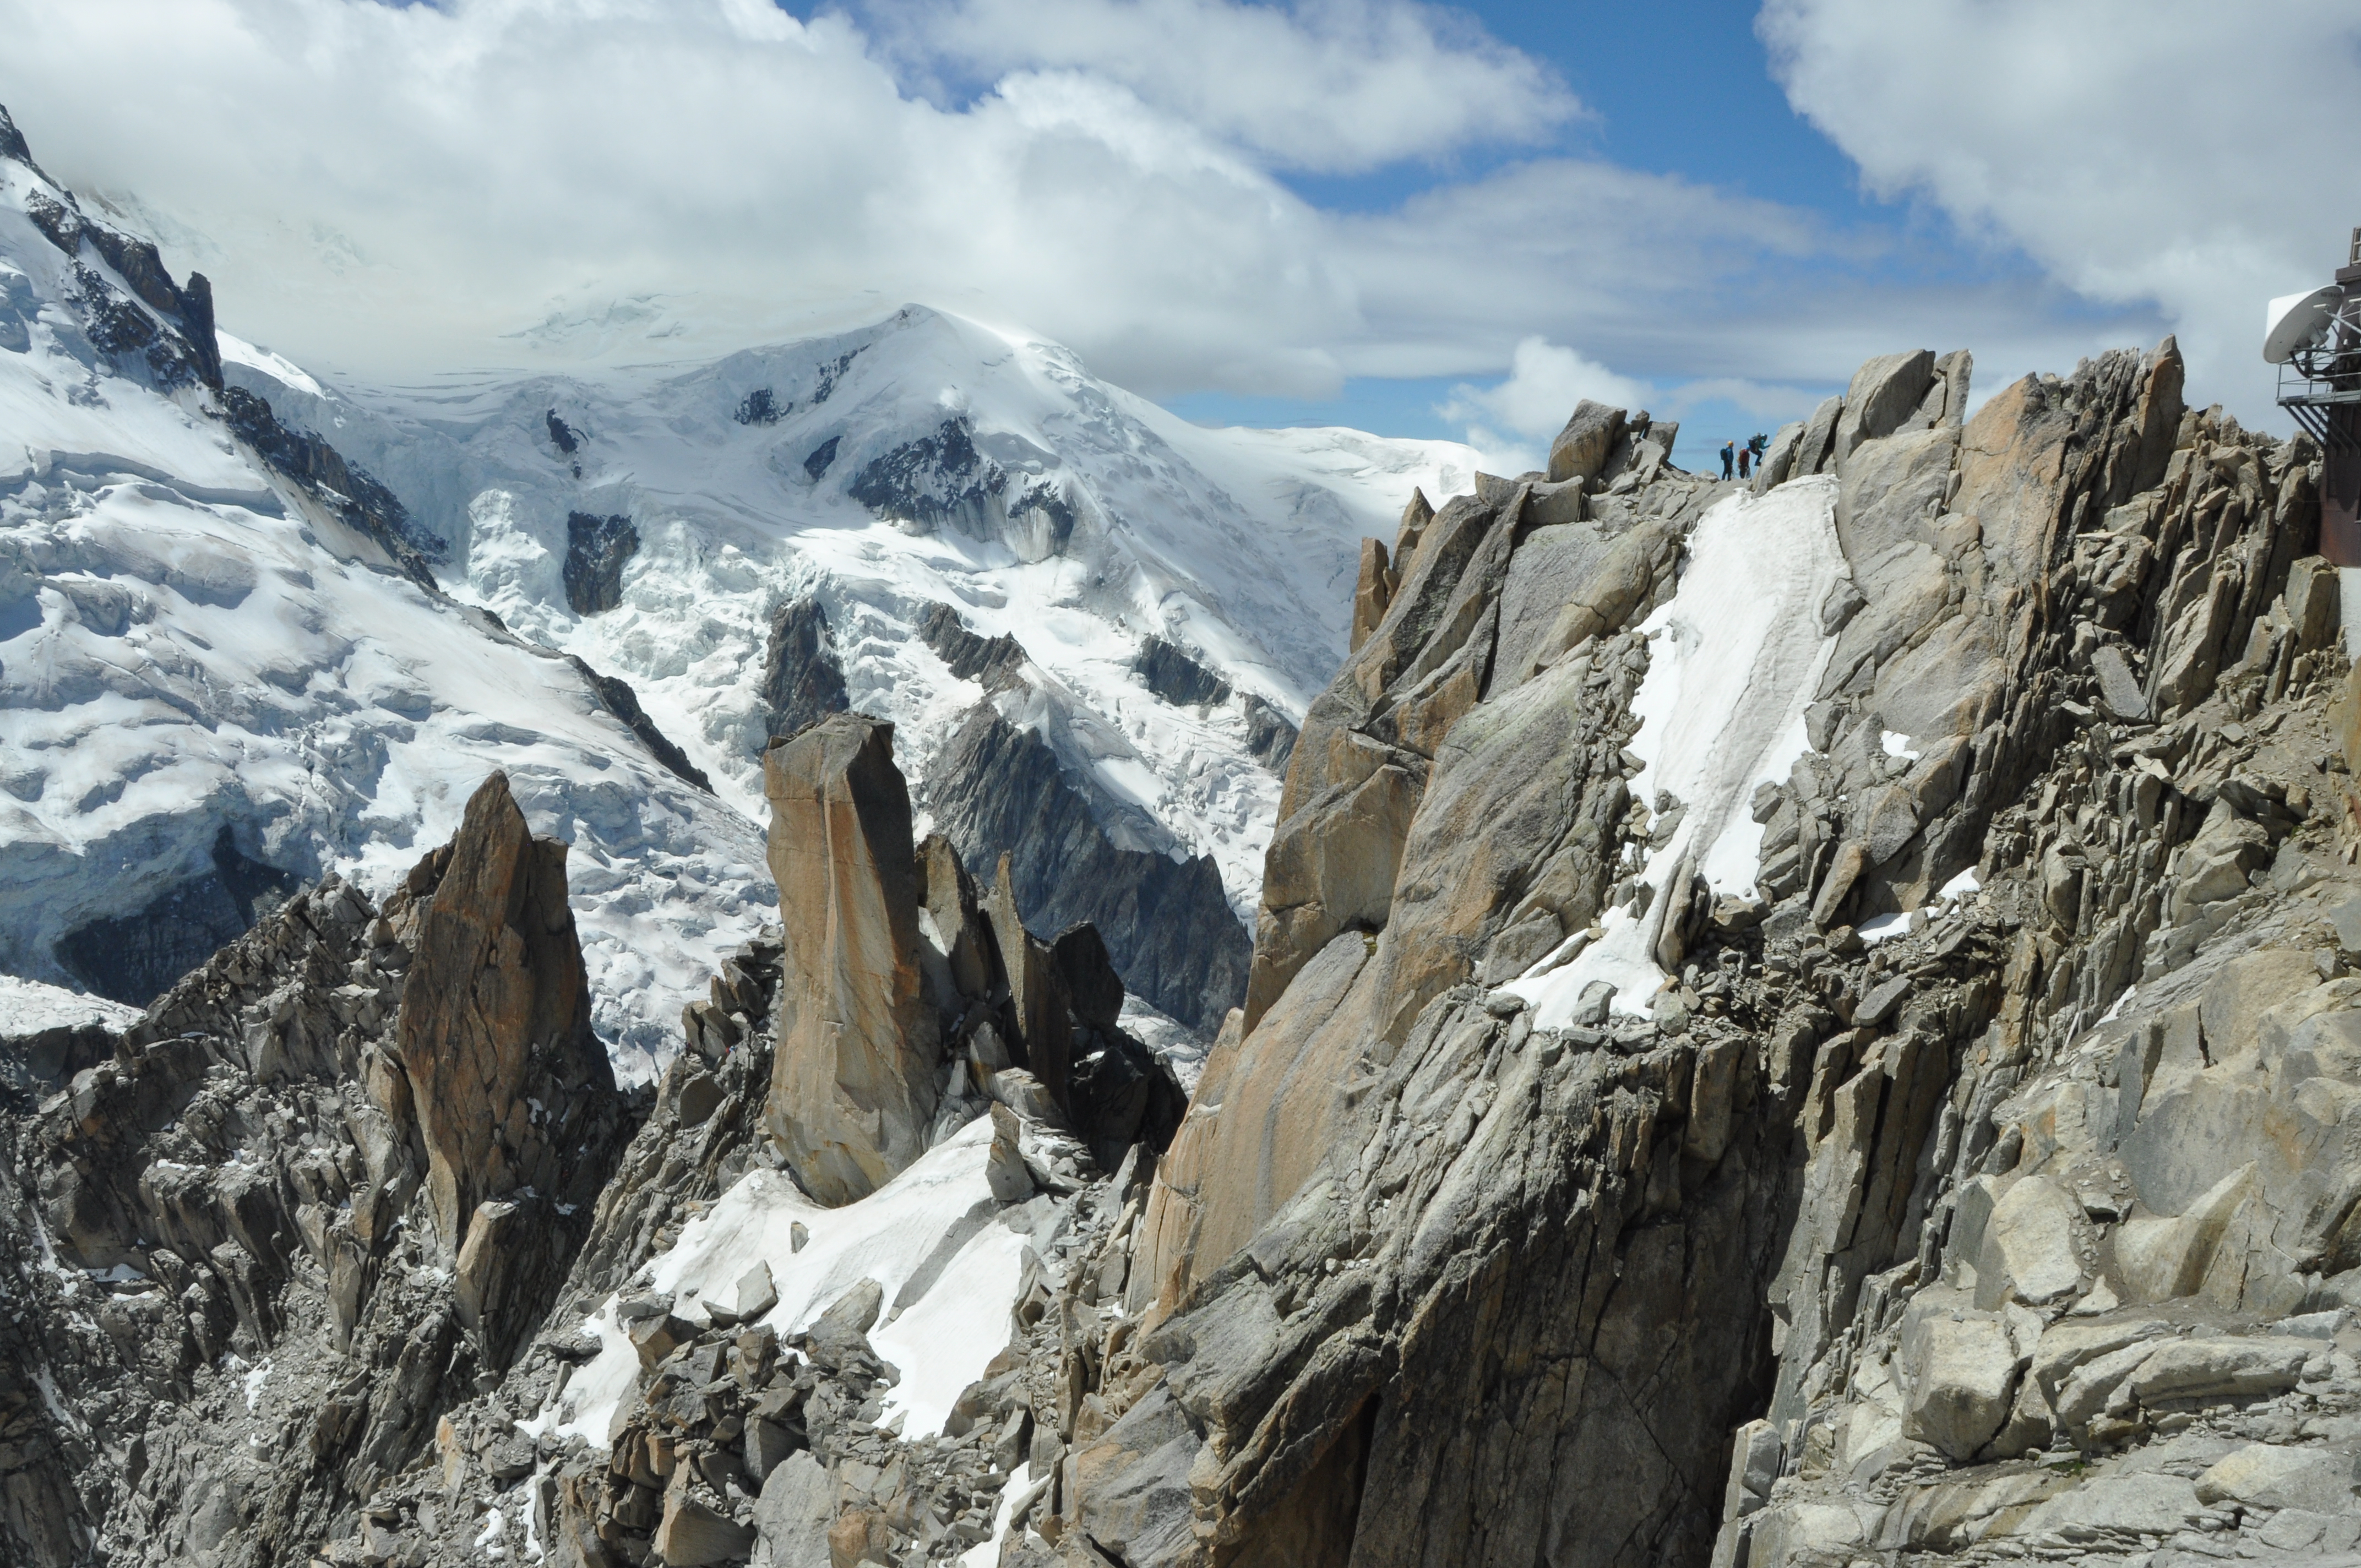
[2192, 154]
[1199, 195]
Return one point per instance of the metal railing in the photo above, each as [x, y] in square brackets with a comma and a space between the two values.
[2311, 399]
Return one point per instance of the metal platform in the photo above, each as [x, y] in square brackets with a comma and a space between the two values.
[2310, 400]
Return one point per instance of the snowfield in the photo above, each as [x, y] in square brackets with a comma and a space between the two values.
[1734, 658]
[1114, 521]
[948, 1255]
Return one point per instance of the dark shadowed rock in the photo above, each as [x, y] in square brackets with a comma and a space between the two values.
[595, 550]
[1172, 674]
[802, 681]
[620, 701]
[938, 480]
[1166, 922]
[997, 662]
[1269, 734]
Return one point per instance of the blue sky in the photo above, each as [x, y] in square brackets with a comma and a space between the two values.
[1676, 87]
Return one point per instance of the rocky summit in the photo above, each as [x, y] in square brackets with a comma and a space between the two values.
[1794, 1024]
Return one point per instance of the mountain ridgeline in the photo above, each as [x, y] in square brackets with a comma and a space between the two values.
[1788, 1024]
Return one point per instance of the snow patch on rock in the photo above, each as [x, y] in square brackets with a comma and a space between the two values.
[1734, 657]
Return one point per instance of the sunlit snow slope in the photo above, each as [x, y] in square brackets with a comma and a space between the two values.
[1077, 520]
[189, 646]
[212, 688]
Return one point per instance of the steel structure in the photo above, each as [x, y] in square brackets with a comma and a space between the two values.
[2315, 339]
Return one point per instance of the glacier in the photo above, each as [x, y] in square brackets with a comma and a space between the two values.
[215, 686]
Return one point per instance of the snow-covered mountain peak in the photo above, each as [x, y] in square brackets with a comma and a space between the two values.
[257, 626]
[925, 459]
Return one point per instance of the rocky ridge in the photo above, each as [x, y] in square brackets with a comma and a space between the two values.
[1969, 1185]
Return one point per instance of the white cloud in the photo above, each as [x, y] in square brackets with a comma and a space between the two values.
[392, 192]
[2185, 152]
[1543, 384]
[1545, 381]
[1335, 86]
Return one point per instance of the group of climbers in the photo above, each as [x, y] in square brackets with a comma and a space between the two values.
[1745, 457]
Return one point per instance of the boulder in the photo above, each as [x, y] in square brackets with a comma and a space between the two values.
[843, 1329]
[1004, 1170]
[853, 1082]
[791, 1515]
[2266, 1476]
[1134, 1483]
[1812, 445]
[2123, 1506]
[2227, 1369]
[1778, 459]
[1884, 393]
[2119, 688]
[2193, 1136]
[2031, 1246]
[1960, 1371]
[1580, 449]
[756, 1293]
[691, 1535]
[2090, 1387]
[2065, 1348]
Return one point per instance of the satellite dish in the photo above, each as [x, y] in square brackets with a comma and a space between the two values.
[2294, 320]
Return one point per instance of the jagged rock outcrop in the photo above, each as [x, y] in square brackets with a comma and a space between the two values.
[178, 341]
[997, 662]
[597, 550]
[1369, 743]
[892, 1034]
[247, 1280]
[997, 790]
[854, 1091]
[1923, 1139]
[1176, 677]
[1933, 1241]
[495, 1006]
[739, 1432]
[803, 682]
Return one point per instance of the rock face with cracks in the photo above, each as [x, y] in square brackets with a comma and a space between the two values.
[496, 989]
[853, 1090]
